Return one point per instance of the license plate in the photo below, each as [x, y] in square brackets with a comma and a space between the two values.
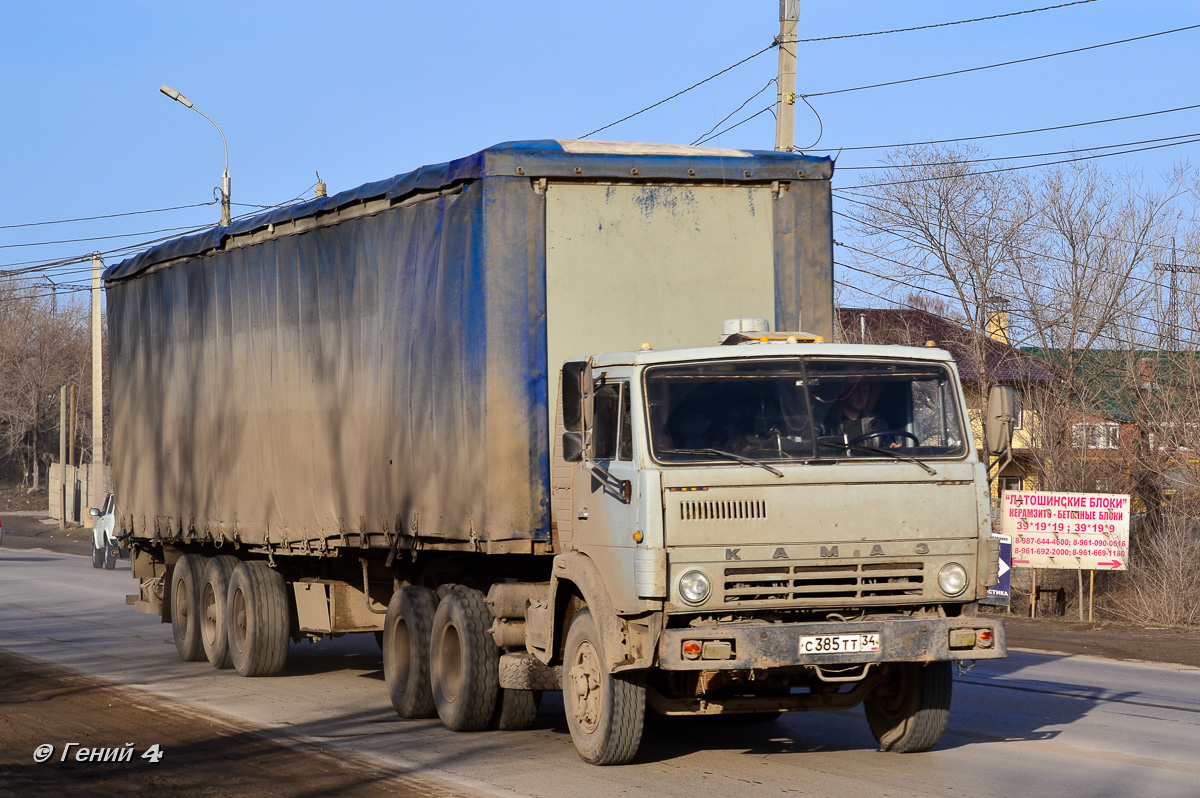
[839, 644]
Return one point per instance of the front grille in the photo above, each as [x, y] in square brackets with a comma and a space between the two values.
[722, 510]
[769, 585]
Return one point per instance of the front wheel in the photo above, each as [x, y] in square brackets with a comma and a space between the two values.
[908, 713]
[605, 711]
[110, 554]
[97, 556]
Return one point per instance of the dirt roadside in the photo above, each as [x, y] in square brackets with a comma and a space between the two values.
[203, 753]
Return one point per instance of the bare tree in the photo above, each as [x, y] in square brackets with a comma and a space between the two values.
[936, 222]
[42, 347]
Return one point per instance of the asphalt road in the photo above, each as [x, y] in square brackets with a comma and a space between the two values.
[1032, 725]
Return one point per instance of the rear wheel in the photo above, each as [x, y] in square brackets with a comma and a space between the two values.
[185, 601]
[214, 625]
[464, 661]
[406, 632]
[258, 619]
[909, 713]
[605, 712]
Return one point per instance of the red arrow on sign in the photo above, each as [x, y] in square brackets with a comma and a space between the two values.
[1113, 564]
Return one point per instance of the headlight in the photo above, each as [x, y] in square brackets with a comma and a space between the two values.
[952, 579]
[694, 587]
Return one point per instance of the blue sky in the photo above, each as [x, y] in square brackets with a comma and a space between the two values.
[360, 91]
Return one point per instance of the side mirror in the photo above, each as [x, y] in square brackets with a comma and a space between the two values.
[94, 512]
[572, 447]
[1003, 407]
[577, 395]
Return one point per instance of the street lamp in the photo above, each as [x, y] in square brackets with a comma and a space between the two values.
[174, 95]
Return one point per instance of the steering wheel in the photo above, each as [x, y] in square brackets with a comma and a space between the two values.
[885, 433]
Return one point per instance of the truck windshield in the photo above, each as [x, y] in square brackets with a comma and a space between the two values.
[783, 409]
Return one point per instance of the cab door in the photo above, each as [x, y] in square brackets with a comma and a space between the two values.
[605, 496]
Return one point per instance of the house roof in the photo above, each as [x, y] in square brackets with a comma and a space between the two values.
[1114, 382]
[912, 327]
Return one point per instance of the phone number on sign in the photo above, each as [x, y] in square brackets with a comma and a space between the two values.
[1067, 552]
[1073, 527]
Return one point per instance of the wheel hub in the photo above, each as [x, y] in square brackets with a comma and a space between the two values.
[586, 686]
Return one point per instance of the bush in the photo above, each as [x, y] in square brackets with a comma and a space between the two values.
[1162, 585]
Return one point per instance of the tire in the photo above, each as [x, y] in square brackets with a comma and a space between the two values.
[110, 554]
[516, 710]
[464, 661]
[185, 602]
[257, 609]
[214, 617]
[605, 712]
[97, 557]
[406, 636]
[908, 714]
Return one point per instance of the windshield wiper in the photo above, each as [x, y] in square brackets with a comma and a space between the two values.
[731, 456]
[861, 447]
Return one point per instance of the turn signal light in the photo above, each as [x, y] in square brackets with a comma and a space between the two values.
[691, 649]
[986, 638]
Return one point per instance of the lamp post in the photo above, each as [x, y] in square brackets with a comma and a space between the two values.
[177, 97]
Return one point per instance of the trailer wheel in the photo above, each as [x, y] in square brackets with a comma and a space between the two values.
[185, 600]
[214, 618]
[406, 632]
[605, 711]
[258, 619]
[909, 713]
[110, 553]
[516, 710]
[464, 661]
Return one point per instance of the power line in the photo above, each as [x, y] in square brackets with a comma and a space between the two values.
[1016, 248]
[720, 133]
[1024, 340]
[826, 39]
[999, 270]
[734, 111]
[1032, 165]
[771, 46]
[1001, 64]
[59, 265]
[93, 238]
[106, 216]
[1002, 135]
[944, 24]
[1019, 157]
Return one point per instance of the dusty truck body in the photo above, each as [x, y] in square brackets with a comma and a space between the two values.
[475, 408]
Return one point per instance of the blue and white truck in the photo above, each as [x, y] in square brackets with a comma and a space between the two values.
[557, 415]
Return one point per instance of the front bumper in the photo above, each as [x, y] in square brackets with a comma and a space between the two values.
[777, 645]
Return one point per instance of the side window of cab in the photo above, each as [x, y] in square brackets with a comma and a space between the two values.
[612, 428]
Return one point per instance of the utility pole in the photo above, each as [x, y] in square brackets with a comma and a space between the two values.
[62, 458]
[97, 477]
[785, 98]
[1172, 341]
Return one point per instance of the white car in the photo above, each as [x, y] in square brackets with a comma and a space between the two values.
[105, 551]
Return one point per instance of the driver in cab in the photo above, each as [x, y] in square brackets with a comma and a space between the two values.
[850, 420]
